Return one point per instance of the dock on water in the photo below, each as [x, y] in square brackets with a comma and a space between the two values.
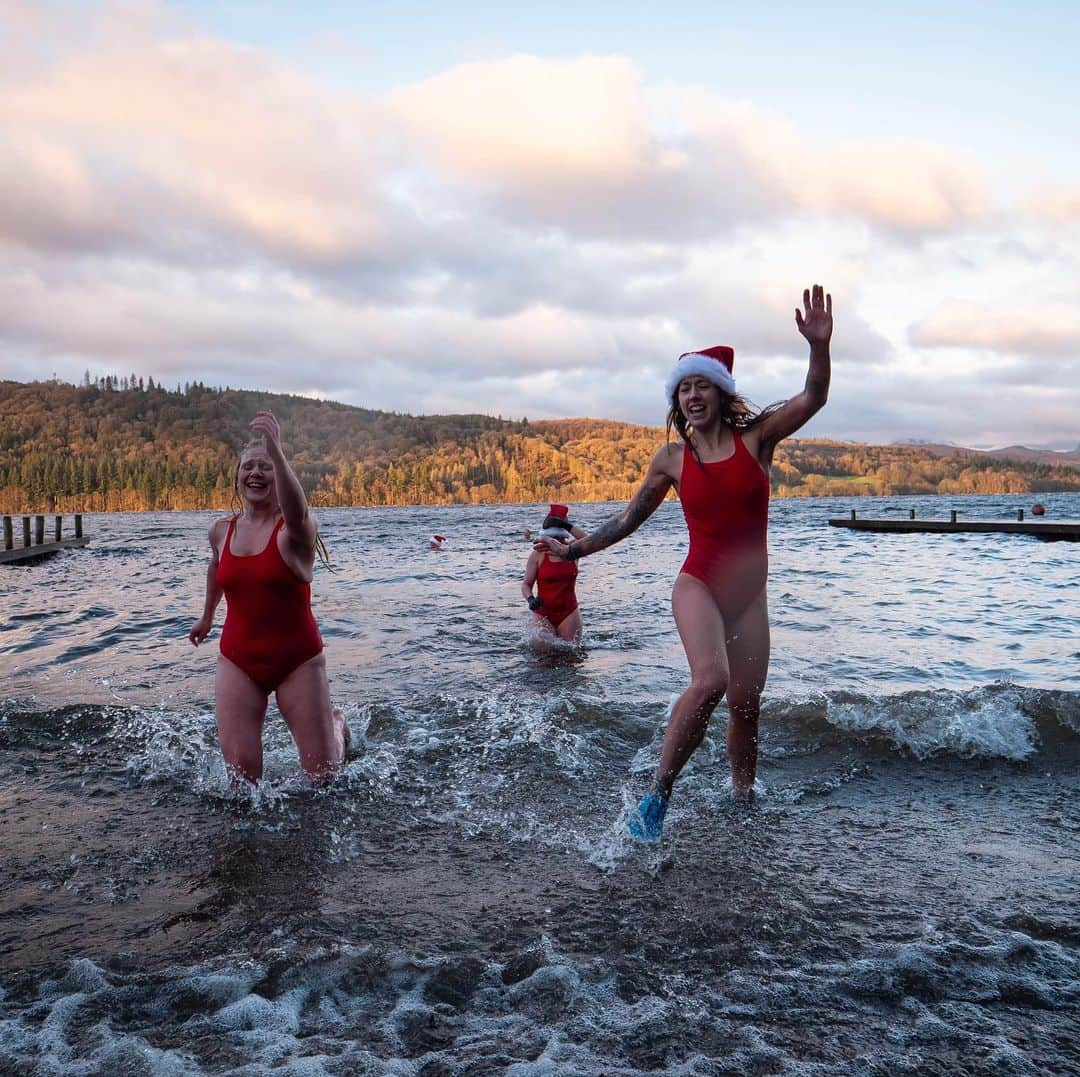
[34, 545]
[1051, 530]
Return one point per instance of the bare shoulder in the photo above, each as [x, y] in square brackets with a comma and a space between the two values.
[218, 529]
[216, 534]
[668, 460]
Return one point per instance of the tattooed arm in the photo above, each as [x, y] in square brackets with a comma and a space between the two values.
[658, 480]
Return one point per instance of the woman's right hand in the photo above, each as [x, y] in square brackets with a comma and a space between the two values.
[266, 423]
[200, 630]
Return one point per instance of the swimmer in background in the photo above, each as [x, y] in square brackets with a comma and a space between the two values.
[554, 606]
[437, 542]
[261, 561]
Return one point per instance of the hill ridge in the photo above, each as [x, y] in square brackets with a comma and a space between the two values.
[126, 444]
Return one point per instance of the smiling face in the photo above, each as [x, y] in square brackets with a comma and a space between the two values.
[255, 476]
[699, 401]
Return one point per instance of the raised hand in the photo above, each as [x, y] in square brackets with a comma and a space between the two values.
[264, 423]
[815, 320]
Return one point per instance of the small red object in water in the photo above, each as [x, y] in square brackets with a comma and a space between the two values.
[1038, 510]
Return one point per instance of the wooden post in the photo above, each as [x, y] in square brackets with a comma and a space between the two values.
[58, 530]
[1019, 514]
[853, 514]
[26, 530]
[78, 525]
[911, 514]
[952, 516]
[39, 530]
[9, 534]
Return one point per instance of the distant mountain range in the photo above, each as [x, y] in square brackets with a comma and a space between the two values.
[130, 444]
[1052, 457]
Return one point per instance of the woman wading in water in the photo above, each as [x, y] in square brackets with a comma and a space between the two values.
[262, 560]
[555, 605]
[720, 469]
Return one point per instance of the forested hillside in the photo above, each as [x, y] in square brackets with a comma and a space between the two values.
[125, 444]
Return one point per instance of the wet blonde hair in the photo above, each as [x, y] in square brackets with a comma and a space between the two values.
[320, 546]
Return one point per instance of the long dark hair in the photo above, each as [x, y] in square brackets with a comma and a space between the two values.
[736, 413]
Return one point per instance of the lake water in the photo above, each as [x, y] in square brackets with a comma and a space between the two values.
[901, 898]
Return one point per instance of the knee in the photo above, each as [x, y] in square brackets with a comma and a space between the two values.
[242, 760]
[745, 705]
[709, 686]
[743, 713]
[243, 767]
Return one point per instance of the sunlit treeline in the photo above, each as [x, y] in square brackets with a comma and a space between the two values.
[131, 445]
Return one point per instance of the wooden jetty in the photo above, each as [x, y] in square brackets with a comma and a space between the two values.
[1058, 530]
[33, 545]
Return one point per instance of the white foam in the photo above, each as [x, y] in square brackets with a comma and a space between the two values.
[981, 722]
[567, 1016]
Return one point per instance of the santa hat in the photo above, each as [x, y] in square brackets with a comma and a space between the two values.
[558, 516]
[716, 364]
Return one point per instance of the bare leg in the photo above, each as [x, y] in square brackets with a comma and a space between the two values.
[748, 654]
[319, 730]
[570, 627]
[702, 631]
[241, 711]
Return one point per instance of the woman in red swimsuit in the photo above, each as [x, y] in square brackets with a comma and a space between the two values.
[261, 561]
[555, 605]
[720, 470]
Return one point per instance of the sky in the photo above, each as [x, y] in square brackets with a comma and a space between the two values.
[532, 210]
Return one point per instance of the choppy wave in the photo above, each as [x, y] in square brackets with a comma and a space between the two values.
[998, 721]
[569, 732]
[363, 1010]
[463, 898]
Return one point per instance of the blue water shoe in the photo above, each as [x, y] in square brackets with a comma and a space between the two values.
[647, 819]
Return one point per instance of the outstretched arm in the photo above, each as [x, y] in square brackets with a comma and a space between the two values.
[654, 488]
[815, 323]
[201, 628]
[299, 525]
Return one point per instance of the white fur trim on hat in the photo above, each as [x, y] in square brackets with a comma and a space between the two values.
[705, 366]
[559, 533]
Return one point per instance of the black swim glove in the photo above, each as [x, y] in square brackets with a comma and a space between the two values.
[535, 602]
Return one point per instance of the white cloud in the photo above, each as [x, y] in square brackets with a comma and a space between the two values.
[1012, 330]
[1057, 205]
[523, 235]
[174, 141]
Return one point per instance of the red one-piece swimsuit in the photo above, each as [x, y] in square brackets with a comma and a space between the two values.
[269, 628]
[726, 505]
[555, 587]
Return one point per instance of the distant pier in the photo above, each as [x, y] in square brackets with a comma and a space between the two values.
[34, 545]
[1050, 530]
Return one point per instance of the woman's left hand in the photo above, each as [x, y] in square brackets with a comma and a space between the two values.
[816, 322]
[552, 546]
[264, 423]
